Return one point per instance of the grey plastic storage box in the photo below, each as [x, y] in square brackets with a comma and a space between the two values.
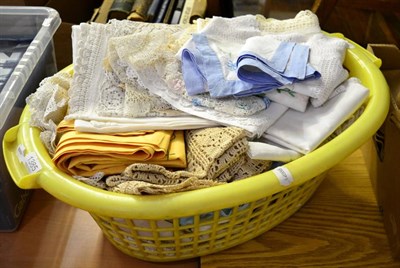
[26, 57]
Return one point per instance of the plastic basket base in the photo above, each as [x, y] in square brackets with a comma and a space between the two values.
[199, 235]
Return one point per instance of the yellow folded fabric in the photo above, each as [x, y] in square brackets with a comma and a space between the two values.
[85, 154]
[65, 125]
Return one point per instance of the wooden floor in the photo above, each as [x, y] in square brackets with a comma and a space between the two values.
[339, 227]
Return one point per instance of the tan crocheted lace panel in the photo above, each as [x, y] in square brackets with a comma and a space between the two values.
[214, 156]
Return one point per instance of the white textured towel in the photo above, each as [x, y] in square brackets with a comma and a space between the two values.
[327, 56]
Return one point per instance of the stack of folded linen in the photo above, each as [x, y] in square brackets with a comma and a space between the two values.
[85, 154]
[235, 93]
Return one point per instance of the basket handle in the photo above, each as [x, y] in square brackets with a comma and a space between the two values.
[22, 163]
[25, 166]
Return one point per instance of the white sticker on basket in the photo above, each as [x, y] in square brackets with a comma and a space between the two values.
[284, 176]
[32, 163]
[21, 153]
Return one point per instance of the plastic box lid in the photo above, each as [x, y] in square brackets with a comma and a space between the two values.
[37, 24]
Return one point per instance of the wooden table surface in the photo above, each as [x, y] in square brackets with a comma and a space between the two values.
[339, 227]
[55, 235]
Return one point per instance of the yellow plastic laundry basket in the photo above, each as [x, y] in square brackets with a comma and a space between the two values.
[195, 223]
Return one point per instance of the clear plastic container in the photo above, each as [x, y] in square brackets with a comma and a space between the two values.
[26, 57]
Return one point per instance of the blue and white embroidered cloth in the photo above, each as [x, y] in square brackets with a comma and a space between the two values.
[264, 64]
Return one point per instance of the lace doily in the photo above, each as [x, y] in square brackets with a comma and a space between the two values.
[97, 91]
[304, 22]
[48, 106]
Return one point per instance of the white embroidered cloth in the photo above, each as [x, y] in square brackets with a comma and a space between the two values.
[289, 98]
[326, 52]
[304, 132]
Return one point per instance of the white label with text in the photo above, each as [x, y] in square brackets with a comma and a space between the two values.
[284, 176]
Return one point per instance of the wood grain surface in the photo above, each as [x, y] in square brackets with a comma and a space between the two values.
[55, 235]
[339, 227]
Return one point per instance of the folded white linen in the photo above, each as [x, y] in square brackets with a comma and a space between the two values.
[268, 63]
[151, 123]
[326, 52]
[326, 55]
[289, 98]
[266, 151]
[304, 132]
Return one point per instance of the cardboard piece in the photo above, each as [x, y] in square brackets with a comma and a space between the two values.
[382, 152]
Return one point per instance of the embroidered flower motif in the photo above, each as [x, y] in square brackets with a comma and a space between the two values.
[242, 106]
[231, 65]
[227, 59]
[290, 92]
[196, 102]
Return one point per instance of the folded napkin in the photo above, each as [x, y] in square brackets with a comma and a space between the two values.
[289, 98]
[268, 64]
[85, 154]
[266, 151]
[203, 72]
[217, 46]
[263, 63]
[70, 125]
[149, 123]
[327, 55]
[304, 132]
[212, 52]
[214, 156]
[326, 52]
